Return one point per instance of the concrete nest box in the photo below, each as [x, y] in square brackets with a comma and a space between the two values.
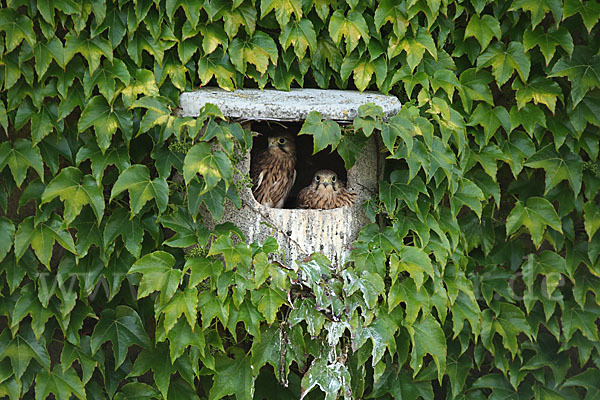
[299, 232]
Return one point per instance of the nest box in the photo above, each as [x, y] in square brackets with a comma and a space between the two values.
[299, 232]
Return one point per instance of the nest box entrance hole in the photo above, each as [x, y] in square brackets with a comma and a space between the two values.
[307, 163]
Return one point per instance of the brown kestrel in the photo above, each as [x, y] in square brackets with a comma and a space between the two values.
[326, 191]
[273, 171]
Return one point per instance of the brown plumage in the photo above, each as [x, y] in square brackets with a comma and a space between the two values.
[273, 171]
[325, 192]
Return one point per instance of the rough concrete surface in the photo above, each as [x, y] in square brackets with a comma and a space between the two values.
[277, 105]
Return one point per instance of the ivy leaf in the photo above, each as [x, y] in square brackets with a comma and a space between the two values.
[183, 336]
[558, 168]
[238, 254]
[130, 230]
[350, 147]
[22, 348]
[268, 301]
[182, 303]
[427, 337]
[136, 180]
[538, 89]
[158, 274]
[483, 29]
[401, 188]
[588, 379]
[505, 61]
[529, 116]
[123, 327]
[213, 166]
[17, 27]
[591, 220]
[283, 10]
[20, 157]
[535, 215]
[92, 49]
[7, 233]
[490, 119]
[75, 192]
[414, 261]
[329, 378]
[584, 320]
[325, 132]
[105, 119]
[353, 27]
[401, 386]
[582, 70]
[301, 35]
[538, 9]
[61, 383]
[156, 359]
[548, 264]
[548, 41]
[474, 86]
[232, 377]
[257, 50]
[42, 238]
[468, 194]
[415, 48]
[509, 323]
[115, 155]
[589, 11]
[217, 65]
[394, 13]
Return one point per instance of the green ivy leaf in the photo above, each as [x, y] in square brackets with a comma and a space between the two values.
[591, 220]
[136, 180]
[548, 264]
[589, 380]
[22, 348]
[427, 337]
[582, 70]
[548, 40]
[105, 119]
[283, 10]
[182, 303]
[394, 13]
[20, 157]
[558, 168]
[538, 9]
[474, 85]
[301, 35]
[352, 26]
[535, 215]
[213, 166]
[130, 230]
[257, 50]
[75, 192]
[232, 377]
[60, 383]
[17, 28]
[490, 119]
[325, 132]
[42, 238]
[509, 323]
[483, 29]
[268, 301]
[123, 327]
[234, 254]
[117, 156]
[505, 61]
[589, 11]
[529, 116]
[538, 89]
[7, 233]
[158, 274]
[584, 320]
[401, 188]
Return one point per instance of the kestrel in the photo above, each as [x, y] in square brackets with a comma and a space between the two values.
[273, 171]
[326, 191]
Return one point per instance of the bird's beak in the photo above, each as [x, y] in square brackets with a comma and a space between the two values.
[272, 142]
[325, 183]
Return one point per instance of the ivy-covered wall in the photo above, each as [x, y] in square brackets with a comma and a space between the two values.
[479, 277]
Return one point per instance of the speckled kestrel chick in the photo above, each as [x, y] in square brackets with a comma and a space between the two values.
[326, 191]
[273, 171]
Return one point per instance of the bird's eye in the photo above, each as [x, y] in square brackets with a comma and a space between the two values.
[281, 140]
[333, 179]
[318, 178]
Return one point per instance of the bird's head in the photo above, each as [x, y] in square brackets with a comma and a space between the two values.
[327, 180]
[284, 143]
